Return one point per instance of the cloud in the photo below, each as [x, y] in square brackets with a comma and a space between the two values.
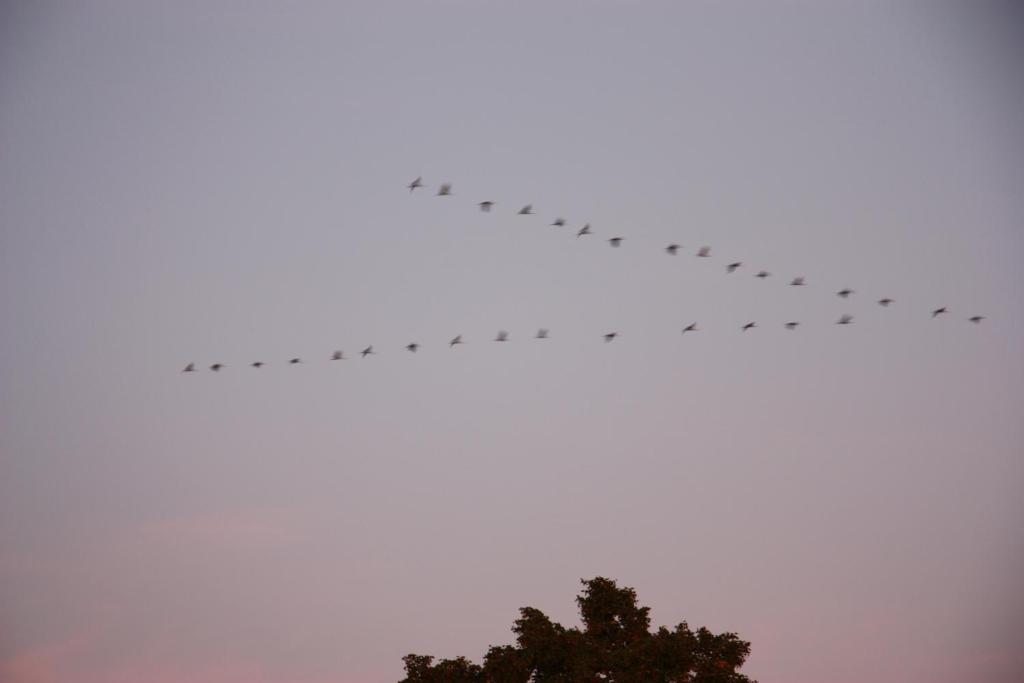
[46, 663]
[72, 660]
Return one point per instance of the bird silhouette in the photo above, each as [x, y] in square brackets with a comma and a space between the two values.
[976, 319]
[337, 355]
[416, 183]
[559, 222]
[884, 302]
[749, 326]
[672, 249]
[445, 190]
[845, 320]
[797, 282]
[845, 293]
[368, 351]
[412, 347]
[692, 327]
[216, 367]
[791, 325]
[610, 336]
[762, 274]
[731, 268]
[585, 230]
[938, 311]
[542, 334]
[615, 241]
[294, 361]
[455, 340]
[191, 367]
[257, 364]
[704, 252]
[501, 336]
[486, 206]
[526, 210]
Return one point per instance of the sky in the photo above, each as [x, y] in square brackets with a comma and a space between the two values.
[226, 182]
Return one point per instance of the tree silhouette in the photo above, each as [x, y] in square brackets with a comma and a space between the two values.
[615, 645]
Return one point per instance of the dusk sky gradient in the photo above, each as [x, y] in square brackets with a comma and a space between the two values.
[226, 182]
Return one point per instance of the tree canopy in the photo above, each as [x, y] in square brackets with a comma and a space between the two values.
[615, 645]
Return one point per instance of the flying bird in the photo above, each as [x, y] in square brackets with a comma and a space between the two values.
[455, 340]
[610, 336]
[445, 190]
[976, 319]
[368, 351]
[559, 222]
[733, 266]
[692, 327]
[615, 241]
[845, 320]
[672, 249]
[704, 252]
[412, 347]
[797, 282]
[762, 274]
[585, 230]
[416, 183]
[542, 334]
[216, 367]
[258, 364]
[884, 302]
[749, 326]
[486, 206]
[526, 210]
[501, 336]
[294, 361]
[191, 367]
[844, 293]
[791, 325]
[337, 355]
[938, 311]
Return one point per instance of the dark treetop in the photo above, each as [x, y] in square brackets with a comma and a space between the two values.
[615, 645]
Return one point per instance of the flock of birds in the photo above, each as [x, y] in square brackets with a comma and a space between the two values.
[486, 206]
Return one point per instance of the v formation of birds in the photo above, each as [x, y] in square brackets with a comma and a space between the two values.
[487, 206]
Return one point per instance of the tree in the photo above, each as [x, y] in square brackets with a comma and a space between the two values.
[615, 645]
